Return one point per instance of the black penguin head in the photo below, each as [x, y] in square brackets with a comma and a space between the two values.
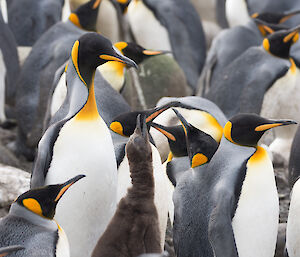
[125, 123]
[176, 139]
[85, 16]
[247, 129]
[4, 251]
[200, 146]
[275, 18]
[42, 201]
[92, 50]
[280, 42]
[138, 147]
[136, 52]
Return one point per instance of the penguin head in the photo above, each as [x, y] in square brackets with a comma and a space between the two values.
[200, 146]
[247, 129]
[275, 18]
[176, 139]
[138, 147]
[125, 123]
[4, 251]
[42, 201]
[92, 50]
[136, 52]
[85, 16]
[280, 42]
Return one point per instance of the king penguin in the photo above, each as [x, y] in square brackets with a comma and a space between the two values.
[29, 19]
[30, 222]
[163, 24]
[81, 140]
[237, 206]
[124, 125]
[4, 251]
[47, 55]
[200, 112]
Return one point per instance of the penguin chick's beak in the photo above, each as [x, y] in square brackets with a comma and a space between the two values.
[119, 58]
[9, 249]
[66, 186]
[273, 124]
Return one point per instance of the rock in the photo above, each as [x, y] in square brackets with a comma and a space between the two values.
[13, 182]
[158, 76]
[8, 158]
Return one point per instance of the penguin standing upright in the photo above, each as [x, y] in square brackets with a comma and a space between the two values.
[237, 206]
[30, 222]
[135, 225]
[81, 141]
[29, 19]
[163, 24]
[47, 55]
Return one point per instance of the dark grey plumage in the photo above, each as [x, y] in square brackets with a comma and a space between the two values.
[185, 33]
[294, 162]
[48, 54]
[8, 47]
[242, 84]
[29, 19]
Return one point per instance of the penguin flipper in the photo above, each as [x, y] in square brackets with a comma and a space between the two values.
[220, 231]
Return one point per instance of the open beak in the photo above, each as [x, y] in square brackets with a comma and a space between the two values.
[274, 123]
[9, 249]
[141, 127]
[119, 58]
[163, 130]
[183, 121]
[66, 186]
[292, 34]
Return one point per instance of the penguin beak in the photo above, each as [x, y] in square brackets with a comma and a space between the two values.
[141, 127]
[96, 4]
[162, 130]
[264, 25]
[154, 53]
[273, 124]
[292, 34]
[6, 250]
[158, 110]
[119, 58]
[66, 186]
[183, 121]
[288, 15]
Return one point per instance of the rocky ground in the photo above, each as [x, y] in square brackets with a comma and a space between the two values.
[14, 181]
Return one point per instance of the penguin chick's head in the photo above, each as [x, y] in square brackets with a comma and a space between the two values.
[200, 146]
[92, 50]
[136, 52]
[125, 123]
[4, 251]
[138, 147]
[85, 16]
[42, 201]
[275, 18]
[247, 129]
[280, 42]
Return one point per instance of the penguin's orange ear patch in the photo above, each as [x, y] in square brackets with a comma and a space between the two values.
[198, 159]
[33, 206]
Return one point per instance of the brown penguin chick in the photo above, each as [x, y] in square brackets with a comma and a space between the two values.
[134, 229]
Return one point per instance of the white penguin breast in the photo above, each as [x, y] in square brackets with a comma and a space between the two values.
[84, 147]
[162, 193]
[236, 12]
[62, 246]
[146, 29]
[255, 222]
[293, 223]
[59, 94]
[2, 88]
[282, 101]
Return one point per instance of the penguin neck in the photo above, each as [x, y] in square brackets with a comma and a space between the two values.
[22, 212]
[89, 111]
[142, 180]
